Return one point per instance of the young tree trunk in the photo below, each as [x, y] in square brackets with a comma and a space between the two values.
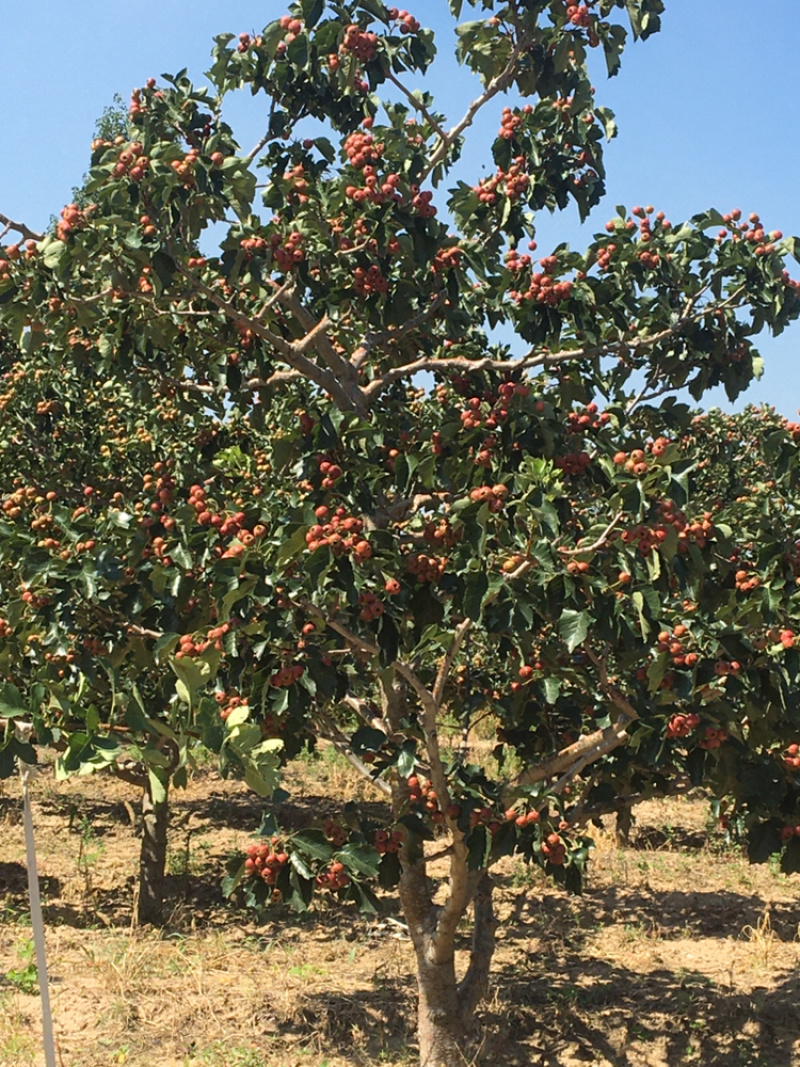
[446, 1024]
[441, 1030]
[152, 857]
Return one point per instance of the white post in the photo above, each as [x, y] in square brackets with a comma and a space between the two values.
[26, 772]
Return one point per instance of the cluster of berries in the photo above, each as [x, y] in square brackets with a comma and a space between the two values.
[588, 419]
[265, 861]
[387, 841]
[227, 702]
[494, 495]
[286, 676]
[340, 532]
[371, 607]
[511, 183]
[682, 725]
[426, 568]
[573, 462]
[336, 834]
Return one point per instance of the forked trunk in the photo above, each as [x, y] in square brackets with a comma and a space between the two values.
[443, 1038]
[152, 858]
[446, 1021]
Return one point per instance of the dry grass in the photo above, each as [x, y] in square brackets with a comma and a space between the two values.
[678, 953]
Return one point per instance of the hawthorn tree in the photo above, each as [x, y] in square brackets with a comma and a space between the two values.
[328, 499]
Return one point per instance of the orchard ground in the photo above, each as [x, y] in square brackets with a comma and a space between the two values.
[678, 952]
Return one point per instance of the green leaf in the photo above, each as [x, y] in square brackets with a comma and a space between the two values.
[312, 844]
[158, 790]
[573, 626]
[363, 859]
[476, 585]
[367, 739]
[312, 12]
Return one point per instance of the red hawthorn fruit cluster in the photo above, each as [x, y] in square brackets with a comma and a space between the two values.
[265, 861]
[472, 417]
[36, 600]
[421, 202]
[5, 628]
[442, 534]
[554, 849]
[573, 463]
[426, 568]
[634, 462]
[588, 419]
[509, 124]
[341, 532]
[331, 472]
[523, 818]
[578, 15]
[788, 832]
[576, 567]
[360, 43]
[336, 834]
[334, 877]
[227, 702]
[516, 262]
[446, 259]
[371, 606]
[387, 841]
[362, 150]
[478, 817]
[682, 725]
[543, 290]
[697, 532]
[227, 526]
[133, 162]
[494, 495]
[671, 642]
[408, 24]
[511, 183]
[422, 795]
[286, 255]
[299, 184]
[72, 218]
[193, 645]
[605, 255]
[750, 230]
[483, 456]
[292, 25]
[724, 667]
[369, 281]
[787, 638]
[791, 759]
[744, 581]
[285, 676]
[376, 192]
[184, 168]
[714, 736]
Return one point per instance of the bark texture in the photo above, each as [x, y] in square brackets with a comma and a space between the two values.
[152, 858]
[446, 1021]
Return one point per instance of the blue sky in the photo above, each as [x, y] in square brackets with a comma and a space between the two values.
[707, 112]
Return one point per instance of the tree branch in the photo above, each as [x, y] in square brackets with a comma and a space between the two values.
[447, 662]
[19, 227]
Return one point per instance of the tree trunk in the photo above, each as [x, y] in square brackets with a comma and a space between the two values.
[443, 1037]
[445, 1026]
[152, 858]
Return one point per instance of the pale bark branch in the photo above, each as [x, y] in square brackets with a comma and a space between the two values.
[599, 543]
[447, 663]
[25, 232]
[340, 742]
